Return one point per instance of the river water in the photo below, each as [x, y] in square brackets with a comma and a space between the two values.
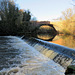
[64, 40]
[19, 58]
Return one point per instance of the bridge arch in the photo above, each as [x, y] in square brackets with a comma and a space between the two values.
[50, 25]
[36, 30]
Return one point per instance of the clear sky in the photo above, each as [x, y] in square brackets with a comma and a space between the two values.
[45, 9]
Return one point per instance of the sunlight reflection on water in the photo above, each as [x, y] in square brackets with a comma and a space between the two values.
[68, 41]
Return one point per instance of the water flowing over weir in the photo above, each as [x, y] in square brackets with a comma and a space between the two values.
[59, 54]
[19, 58]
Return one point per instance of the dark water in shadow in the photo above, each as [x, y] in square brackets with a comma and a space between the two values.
[68, 41]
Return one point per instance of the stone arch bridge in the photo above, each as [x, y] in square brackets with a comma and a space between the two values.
[35, 31]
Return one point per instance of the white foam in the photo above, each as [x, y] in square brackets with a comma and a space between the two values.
[32, 62]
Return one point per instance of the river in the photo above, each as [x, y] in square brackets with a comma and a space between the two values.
[64, 40]
[19, 58]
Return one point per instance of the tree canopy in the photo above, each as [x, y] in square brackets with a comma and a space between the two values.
[13, 20]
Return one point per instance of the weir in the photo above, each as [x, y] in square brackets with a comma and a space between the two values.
[19, 58]
[59, 54]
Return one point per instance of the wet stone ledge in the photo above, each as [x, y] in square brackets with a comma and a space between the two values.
[70, 70]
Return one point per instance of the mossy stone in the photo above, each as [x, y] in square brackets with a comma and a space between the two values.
[70, 70]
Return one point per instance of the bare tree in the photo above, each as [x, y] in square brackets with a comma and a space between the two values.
[68, 21]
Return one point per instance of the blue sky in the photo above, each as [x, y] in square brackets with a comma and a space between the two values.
[45, 9]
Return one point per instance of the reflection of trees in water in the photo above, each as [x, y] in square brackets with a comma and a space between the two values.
[68, 41]
[46, 32]
[46, 37]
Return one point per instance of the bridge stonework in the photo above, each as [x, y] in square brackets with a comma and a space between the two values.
[35, 31]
